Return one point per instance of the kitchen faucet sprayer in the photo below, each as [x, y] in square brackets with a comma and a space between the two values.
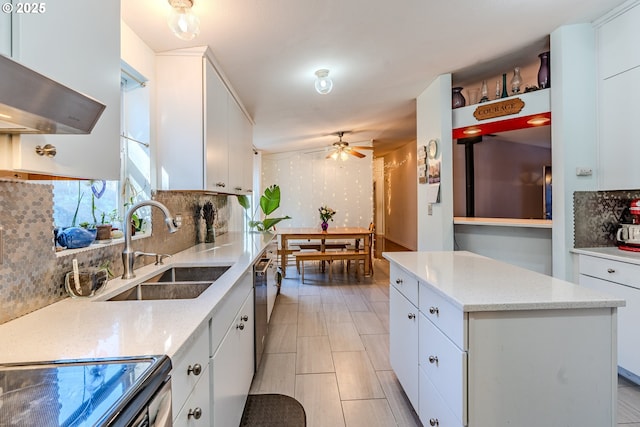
[128, 254]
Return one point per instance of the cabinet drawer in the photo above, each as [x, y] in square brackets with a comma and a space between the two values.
[196, 410]
[404, 282]
[613, 271]
[227, 310]
[186, 373]
[447, 317]
[433, 411]
[445, 365]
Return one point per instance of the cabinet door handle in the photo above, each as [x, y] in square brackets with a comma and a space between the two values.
[434, 310]
[398, 281]
[244, 318]
[610, 270]
[433, 359]
[434, 422]
[194, 413]
[195, 369]
[411, 316]
[240, 326]
[220, 184]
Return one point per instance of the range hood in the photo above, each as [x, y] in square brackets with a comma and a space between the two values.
[33, 103]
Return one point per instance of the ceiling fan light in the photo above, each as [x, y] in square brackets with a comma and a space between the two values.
[343, 155]
[182, 21]
[323, 82]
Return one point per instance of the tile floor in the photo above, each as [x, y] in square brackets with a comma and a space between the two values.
[328, 347]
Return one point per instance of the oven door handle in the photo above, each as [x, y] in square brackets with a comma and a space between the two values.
[160, 414]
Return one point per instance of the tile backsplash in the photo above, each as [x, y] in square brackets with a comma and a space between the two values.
[597, 215]
[32, 274]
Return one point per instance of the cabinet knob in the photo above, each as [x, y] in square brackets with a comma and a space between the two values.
[399, 281]
[240, 326]
[195, 369]
[434, 422]
[610, 270]
[433, 359]
[194, 413]
[244, 318]
[411, 316]
[48, 150]
[434, 310]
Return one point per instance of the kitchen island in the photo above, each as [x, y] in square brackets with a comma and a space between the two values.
[479, 342]
[198, 334]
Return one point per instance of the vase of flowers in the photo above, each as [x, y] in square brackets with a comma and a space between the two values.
[326, 215]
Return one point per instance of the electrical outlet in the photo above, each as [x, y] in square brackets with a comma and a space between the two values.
[584, 171]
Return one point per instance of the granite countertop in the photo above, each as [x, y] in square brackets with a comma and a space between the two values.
[610, 252]
[95, 328]
[476, 283]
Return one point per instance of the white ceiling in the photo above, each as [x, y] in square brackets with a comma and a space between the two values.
[381, 55]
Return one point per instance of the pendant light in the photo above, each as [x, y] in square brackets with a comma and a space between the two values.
[182, 21]
[323, 82]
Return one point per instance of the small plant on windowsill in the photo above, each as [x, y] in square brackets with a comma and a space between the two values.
[269, 202]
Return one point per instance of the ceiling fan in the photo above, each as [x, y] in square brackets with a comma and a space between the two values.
[341, 149]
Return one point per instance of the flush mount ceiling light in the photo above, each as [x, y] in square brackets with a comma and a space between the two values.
[323, 82]
[182, 21]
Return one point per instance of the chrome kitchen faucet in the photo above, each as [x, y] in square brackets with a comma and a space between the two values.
[128, 254]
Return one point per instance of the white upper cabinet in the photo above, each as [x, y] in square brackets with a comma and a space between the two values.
[618, 41]
[618, 90]
[79, 47]
[204, 136]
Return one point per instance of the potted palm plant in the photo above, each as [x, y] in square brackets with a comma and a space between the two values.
[269, 202]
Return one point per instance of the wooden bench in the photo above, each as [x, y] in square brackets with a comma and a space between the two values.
[329, 257]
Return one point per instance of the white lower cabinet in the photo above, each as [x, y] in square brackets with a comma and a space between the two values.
[403, 343]
[232, 369]
[188, 371]
[196, 409]
[622, 280]
[433, 410]
[506, 367]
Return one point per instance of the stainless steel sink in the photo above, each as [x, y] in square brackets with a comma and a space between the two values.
[190, 274]
[165, 290]
[175, 283]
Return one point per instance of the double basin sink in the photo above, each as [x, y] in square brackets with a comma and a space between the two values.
[174, 283]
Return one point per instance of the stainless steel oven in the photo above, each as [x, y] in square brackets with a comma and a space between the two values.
[119, 392]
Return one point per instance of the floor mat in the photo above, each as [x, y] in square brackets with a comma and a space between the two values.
[271, 410]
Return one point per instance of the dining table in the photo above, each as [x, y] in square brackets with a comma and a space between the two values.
[356, 234]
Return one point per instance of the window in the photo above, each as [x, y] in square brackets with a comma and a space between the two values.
[90, 202]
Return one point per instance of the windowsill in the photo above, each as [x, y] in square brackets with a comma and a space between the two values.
[95, 245]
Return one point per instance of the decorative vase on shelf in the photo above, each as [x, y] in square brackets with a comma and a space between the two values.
[484, 92]
[516, 81]
[457, 99]
[324, 225]
[504, 93]
[544, 73]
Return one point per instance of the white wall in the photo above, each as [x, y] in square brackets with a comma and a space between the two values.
[573, 131]
[400, 184]
[308, 181]
[435, 231]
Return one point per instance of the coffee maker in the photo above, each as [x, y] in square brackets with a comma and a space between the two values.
[628, 235]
